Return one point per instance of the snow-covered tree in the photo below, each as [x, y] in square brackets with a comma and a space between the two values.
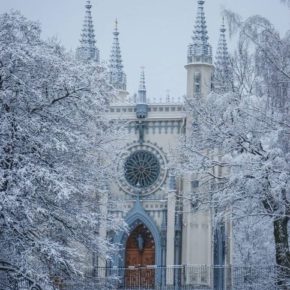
[267, 71]
[56, 154]
[245, 141]
[240, 146]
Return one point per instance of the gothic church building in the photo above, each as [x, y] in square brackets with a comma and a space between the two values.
[165, 233]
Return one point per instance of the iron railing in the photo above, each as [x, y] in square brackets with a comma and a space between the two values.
[160, 278]
[179, 278]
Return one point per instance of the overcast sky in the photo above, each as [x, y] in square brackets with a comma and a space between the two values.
[153, 33]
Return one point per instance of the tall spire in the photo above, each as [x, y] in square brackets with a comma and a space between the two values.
[200, 50]
[141, 102]
[116, 73]
[223, 72]
[142, 88]
[87, 49]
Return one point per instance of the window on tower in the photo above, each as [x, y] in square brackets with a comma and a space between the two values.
[212, 82]
[197, 87]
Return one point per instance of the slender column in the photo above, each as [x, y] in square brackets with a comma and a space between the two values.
[170, 251]
[163, 246]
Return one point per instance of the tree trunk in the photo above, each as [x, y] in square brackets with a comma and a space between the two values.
[282, 251]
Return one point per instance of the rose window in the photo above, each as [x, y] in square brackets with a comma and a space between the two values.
[142, 169]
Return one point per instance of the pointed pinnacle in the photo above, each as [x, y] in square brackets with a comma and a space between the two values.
[116, 32]
[117, 75]
[223, 27]
[142, 85]
[200, 50]
[223, 71]
[142, 99]
[87, 49]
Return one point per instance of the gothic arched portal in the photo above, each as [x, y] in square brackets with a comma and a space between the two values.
[140, 253]
[136, 219]
[140, 248]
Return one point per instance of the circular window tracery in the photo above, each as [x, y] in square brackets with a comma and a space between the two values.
[142, 169]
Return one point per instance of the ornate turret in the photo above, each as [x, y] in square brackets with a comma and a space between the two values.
[117, 77]
[199, 58]
[141, 102]
[87, 51]
[200, 50]
[223, 72]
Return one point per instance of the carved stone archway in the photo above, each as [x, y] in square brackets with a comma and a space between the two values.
[136, 217]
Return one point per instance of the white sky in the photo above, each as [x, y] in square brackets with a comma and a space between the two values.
[153, 33]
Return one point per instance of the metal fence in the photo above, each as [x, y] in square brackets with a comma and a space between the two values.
[179, 278]
[160, 278]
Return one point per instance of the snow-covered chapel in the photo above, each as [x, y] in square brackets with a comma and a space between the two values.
[165, 230]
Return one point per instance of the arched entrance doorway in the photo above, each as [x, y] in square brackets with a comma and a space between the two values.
[140, 253]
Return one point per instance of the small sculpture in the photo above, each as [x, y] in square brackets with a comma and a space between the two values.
[140, 242]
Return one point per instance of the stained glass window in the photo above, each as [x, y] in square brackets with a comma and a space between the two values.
[142, 169]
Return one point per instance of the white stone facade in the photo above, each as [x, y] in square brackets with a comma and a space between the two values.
[160, 201]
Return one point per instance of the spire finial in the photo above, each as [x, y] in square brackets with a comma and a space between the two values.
[142, 87]
[88, 4]
[116, 74]
[223, 71]
[223, 27]
[200, 50]
[87, 50]
[141, 103]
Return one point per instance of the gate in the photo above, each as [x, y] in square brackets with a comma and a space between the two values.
[139, 277]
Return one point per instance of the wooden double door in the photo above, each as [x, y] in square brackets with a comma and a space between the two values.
[139, 256]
